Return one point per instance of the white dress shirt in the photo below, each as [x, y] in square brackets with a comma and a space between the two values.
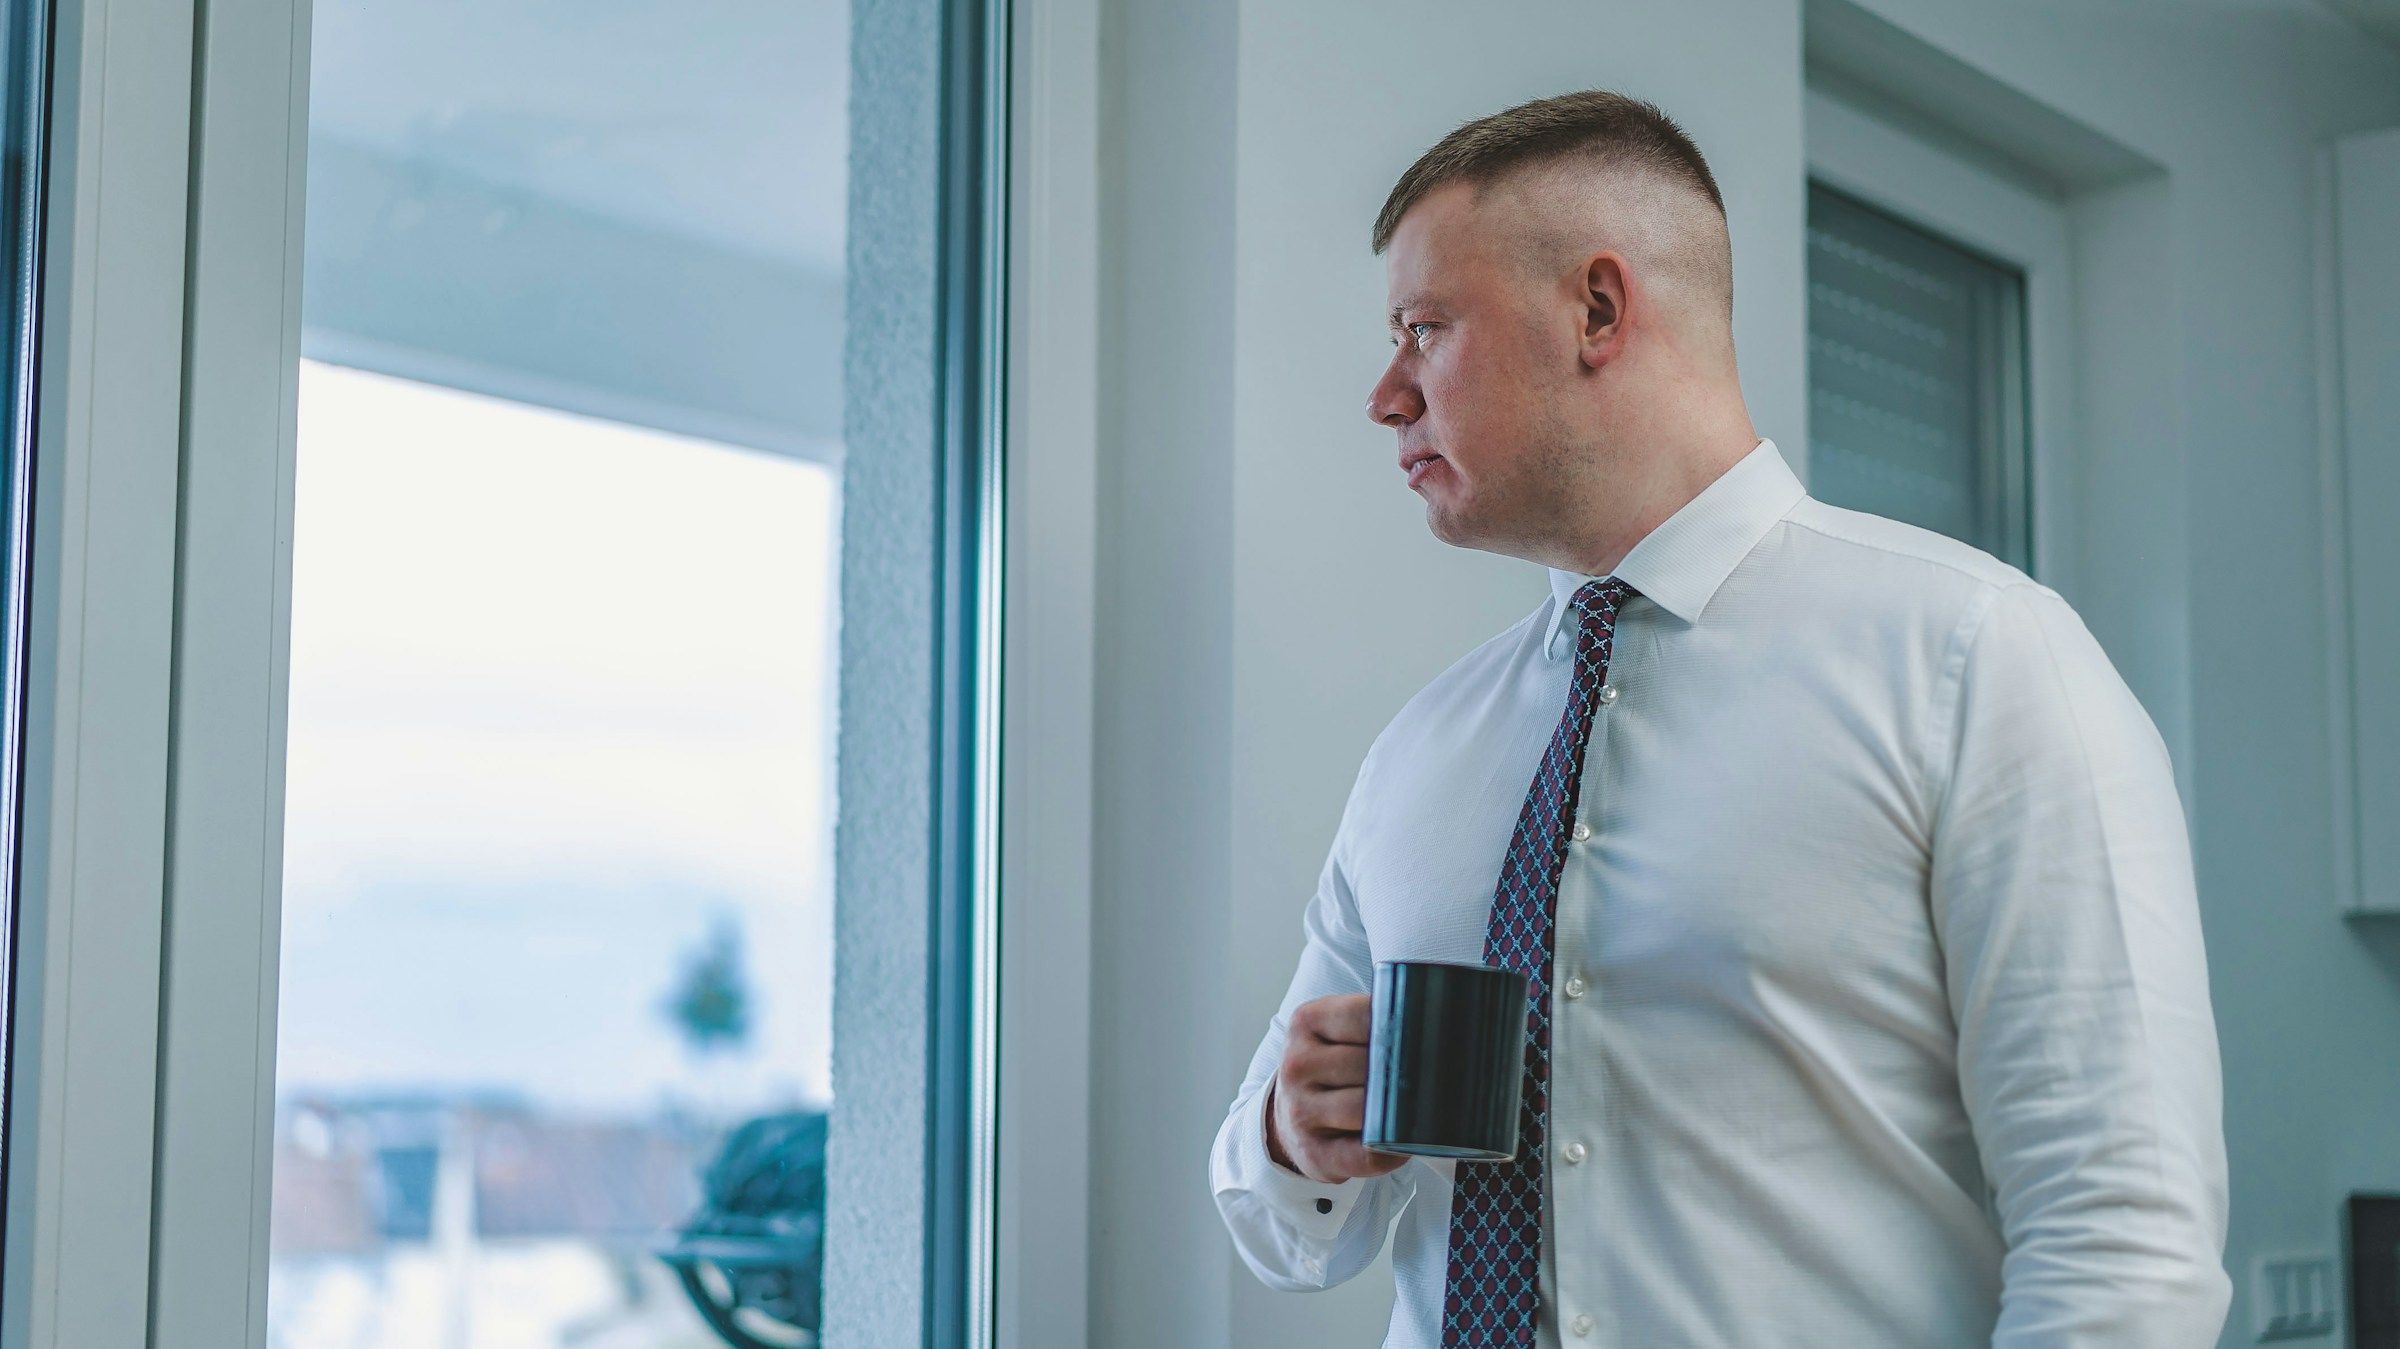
[1879, 1013]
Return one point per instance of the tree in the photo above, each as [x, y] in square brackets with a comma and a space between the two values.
[711, 1003]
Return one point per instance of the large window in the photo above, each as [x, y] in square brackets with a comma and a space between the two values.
[508, 682]
[569, 973]
[510, 765]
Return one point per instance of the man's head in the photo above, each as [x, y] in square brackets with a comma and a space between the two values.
[1561, 293]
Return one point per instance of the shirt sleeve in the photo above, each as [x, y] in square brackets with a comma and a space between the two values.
[2063, 896]
[1297, 1234]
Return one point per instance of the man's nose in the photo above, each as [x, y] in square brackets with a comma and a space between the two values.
[1395, 401]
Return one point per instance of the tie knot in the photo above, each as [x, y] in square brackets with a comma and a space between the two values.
[1601, 599]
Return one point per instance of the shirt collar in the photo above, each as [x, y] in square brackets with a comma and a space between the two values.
[1680, 564]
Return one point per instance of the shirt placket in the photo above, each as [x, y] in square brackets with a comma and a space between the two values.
[1579, 1155]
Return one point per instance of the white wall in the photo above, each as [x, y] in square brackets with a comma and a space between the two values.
[1269, 595]
[1163, 1020]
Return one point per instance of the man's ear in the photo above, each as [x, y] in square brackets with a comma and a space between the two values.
[1607, 308]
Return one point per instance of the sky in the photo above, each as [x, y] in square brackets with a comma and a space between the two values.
[560, 700]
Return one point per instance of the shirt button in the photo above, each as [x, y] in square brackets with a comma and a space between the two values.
[1574, 1153]
[1581, 1325]
[1582, 831]
[1608, 694]
[1575, 986]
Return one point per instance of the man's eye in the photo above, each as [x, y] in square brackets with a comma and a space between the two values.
[1420, 324]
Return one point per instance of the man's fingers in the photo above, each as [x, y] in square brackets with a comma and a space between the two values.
[1341, 1019]
[1326, 1067]
[1343, 1110]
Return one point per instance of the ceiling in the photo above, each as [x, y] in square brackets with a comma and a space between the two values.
[724, 120]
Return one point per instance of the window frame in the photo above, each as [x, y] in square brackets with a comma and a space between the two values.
[99, 655]
[1045, 1159]
[159, 646]
[917, 852]
[25, 81]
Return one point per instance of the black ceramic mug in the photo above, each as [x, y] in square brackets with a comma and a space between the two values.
[1445, 1060]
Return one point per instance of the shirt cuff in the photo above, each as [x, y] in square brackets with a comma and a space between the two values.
[1317, 1210]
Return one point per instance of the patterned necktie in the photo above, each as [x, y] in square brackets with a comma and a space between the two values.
[1496, 1207]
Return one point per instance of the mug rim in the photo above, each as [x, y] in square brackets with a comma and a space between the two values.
[1454, 965]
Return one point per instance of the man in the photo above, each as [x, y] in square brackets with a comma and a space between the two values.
[1869, 1003]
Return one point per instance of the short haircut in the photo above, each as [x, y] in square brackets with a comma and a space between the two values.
[1674, 224]
[1596, 127]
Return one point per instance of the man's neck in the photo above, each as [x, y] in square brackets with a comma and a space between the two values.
[1640, 500]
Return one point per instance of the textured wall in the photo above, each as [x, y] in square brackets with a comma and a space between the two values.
[875, 1157]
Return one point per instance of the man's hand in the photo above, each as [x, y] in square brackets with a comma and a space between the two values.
[1317, 1103]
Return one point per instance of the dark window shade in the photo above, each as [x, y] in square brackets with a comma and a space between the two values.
[1916, 378]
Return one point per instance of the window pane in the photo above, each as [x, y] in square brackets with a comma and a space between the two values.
[555, 1013]
[1916, 390]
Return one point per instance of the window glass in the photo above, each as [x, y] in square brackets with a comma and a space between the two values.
[1916, 378]
[555, 1002]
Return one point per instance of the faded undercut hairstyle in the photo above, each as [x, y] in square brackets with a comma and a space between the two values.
[1600, 135]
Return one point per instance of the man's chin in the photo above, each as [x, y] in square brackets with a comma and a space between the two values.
[1450, 529]
[1446, 526]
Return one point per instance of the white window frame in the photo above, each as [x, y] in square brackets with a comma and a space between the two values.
[85, 1092]
[137, 1209]
[142, 1091]
[1046, 1159]
[1973, 201]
